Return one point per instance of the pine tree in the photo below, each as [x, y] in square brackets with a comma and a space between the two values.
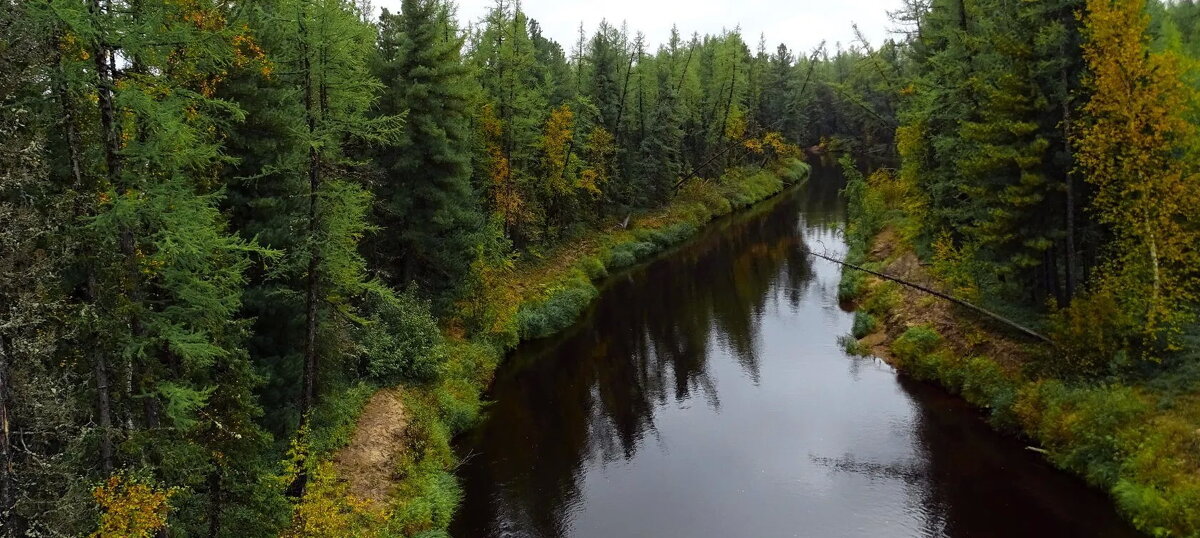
[659, 152]
[427, 195]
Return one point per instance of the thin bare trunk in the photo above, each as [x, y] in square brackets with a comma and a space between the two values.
[103, 411]
[102, 57]
[6, 461]
[216, 501]
[1070, 255]
[308, 389]
[624, 91]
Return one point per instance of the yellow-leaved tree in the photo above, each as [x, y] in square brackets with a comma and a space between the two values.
[130, 507]
[1136, 149]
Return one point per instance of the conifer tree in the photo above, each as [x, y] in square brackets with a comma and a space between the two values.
[427, 195]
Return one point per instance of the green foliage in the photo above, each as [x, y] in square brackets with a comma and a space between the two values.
[1090, 337]
[795, 172]
[851, 346]
[864, 324]
[561, 307]
[852, 285]
[427, 196]
[203, 205]
[630, 253]
[334, 418]
[997, 103]
[915, 343]
[593, 268]
[401, 341]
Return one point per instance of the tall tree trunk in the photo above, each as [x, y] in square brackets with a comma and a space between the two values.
[216, 501]
[6, 460]
[728, 107]
[103, 412]
[68, 121]
[308, 389]
[308, 379]
[105, 63]
[1070, 255]
[102, 56]
[621, 105]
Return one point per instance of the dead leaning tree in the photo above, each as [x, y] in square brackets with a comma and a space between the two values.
[979, 309]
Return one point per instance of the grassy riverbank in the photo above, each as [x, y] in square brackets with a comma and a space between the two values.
[525, 299]
[1137, 437]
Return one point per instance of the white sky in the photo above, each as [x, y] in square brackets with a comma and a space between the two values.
[801, 24]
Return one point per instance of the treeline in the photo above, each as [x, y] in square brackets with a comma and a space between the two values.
[1046, 153]
[218, 219]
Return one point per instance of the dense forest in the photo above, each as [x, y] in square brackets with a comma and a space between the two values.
[225, 224]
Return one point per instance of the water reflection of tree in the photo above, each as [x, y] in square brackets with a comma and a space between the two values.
[591, 397]
[976, 480]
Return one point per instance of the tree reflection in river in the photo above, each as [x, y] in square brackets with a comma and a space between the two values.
[705, 395]
[638, 348]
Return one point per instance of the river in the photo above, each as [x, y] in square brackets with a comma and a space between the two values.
[705, 395]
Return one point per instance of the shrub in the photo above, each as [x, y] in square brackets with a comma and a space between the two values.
[852, 346]
[915, 343]
[1088, 336]
[558, 311]
[986, 385]
[864, 324]
[629, 254]
[335, 416]
[884, 299]
[593, 268]
[795, 171]
[401, 339]
[852, 286]
[459, 401]
[427, 493]
[672, 235]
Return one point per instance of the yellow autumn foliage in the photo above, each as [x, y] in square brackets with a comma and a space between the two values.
[130, 508]
[328, 510]
[555, 139]
[1134, 149]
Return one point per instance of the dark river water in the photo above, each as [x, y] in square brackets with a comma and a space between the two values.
[705, 395]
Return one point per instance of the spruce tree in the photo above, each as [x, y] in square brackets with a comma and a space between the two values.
[427, 197]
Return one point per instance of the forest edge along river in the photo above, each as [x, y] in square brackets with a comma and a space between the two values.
[705, 394]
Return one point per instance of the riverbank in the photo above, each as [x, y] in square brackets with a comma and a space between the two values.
[1137, 439]
[386, 464]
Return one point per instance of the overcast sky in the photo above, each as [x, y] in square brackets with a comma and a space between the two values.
[801, 24]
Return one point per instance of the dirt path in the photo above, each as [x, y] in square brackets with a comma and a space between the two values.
[368, 462]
